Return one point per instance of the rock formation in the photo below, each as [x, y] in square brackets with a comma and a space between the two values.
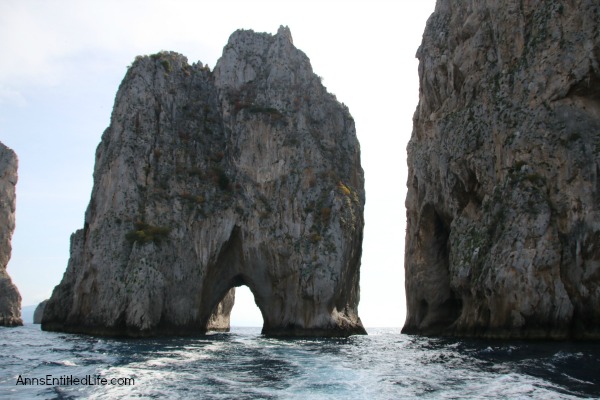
[503, 204]
[38, 314]
[246, 175]
[10, 299]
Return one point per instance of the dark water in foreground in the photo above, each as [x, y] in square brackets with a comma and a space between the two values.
[244, 365]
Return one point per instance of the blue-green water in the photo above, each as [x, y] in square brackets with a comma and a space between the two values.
[244, 365]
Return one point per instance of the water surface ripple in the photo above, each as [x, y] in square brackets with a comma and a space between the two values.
[244, 365]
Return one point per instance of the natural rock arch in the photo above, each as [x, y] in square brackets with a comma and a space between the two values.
[230, 271]
[249, 174]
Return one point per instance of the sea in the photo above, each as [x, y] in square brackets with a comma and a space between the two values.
[243, 364]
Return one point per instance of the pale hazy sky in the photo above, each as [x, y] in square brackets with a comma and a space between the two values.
[62, 62]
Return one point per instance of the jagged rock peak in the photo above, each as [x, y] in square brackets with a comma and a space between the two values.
[205, 181]
[503, 217]
[10, 299]
[249, 56]
[285, 32]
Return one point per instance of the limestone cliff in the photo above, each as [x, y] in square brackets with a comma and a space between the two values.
[10, 299]
[246, 175]
[503, 204]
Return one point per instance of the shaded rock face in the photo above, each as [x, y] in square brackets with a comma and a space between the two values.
[39, 312]
[205, 181]
[503, 210]
[10, 299]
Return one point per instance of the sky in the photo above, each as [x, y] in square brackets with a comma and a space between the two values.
[61, 65]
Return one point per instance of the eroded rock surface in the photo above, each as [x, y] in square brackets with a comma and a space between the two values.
[503, 203]
[249, 174]
[10, 299]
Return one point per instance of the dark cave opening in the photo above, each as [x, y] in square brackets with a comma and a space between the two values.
[439, 306]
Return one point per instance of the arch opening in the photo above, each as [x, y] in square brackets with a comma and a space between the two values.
[245, 312]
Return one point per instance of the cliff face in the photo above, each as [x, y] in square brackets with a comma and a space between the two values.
[204, 181]
[503, 203]
[10, 299]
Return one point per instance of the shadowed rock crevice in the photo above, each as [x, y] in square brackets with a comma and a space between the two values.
[206, 180]
[220, 283]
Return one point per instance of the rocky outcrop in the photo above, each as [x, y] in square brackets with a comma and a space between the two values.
[39, 312]
[219, 319]
[204, 181]
[503, 204]
[10, 299]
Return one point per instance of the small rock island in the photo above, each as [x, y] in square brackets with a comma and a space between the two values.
[206, 180]
[38, 313]
[10, 299]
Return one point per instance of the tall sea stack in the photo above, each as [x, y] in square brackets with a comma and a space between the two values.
[503, 204]
[10, 299]
[204, 181]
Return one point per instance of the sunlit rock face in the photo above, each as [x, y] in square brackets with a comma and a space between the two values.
[249, 174]
[503, 204]
[10, 299]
